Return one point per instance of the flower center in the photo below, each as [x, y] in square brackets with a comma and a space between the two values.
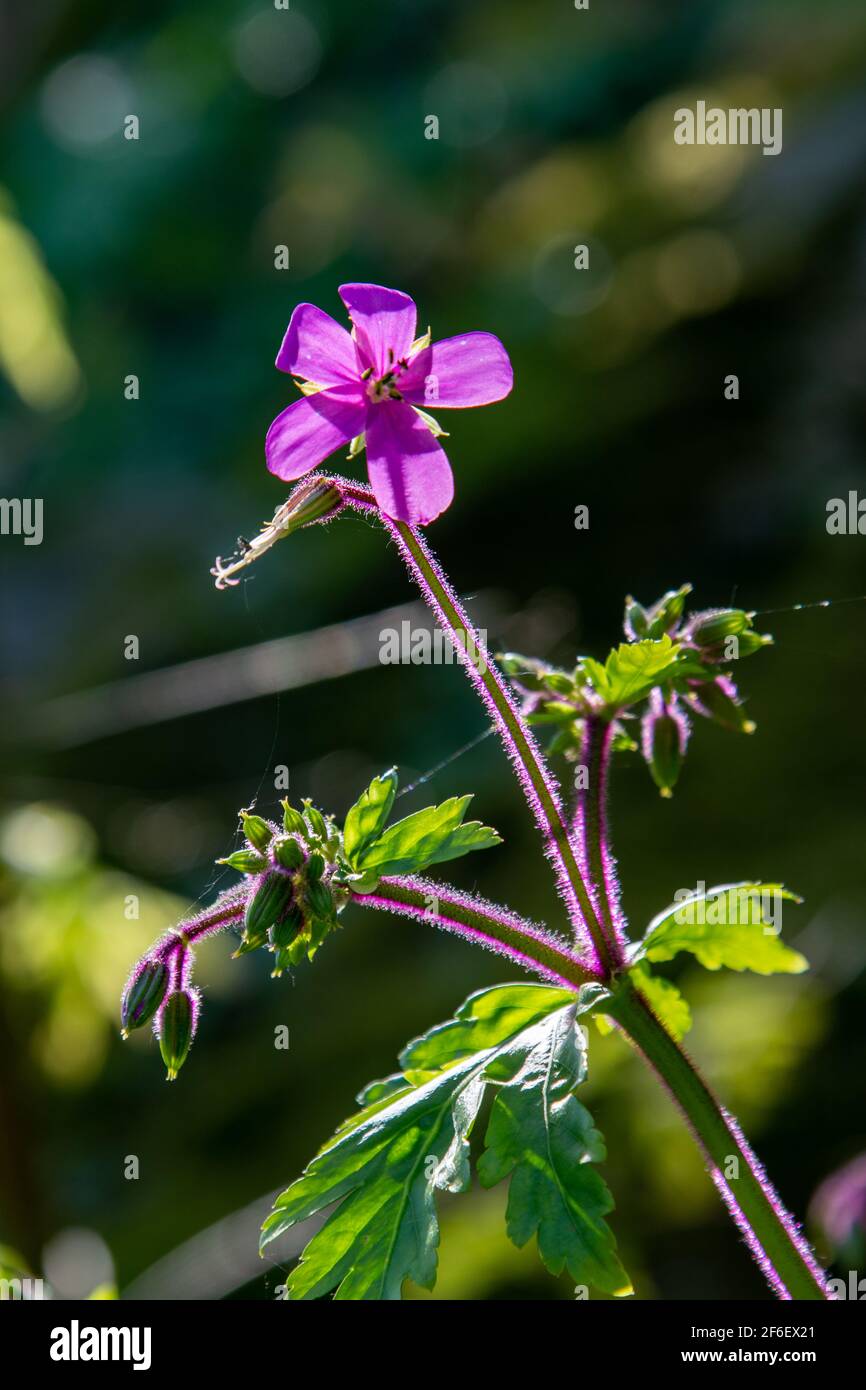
[385, 387]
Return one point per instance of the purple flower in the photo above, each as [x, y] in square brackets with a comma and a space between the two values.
[373, 382]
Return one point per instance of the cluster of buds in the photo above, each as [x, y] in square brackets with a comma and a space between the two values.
[661, 619]
[716, 635]
[287, 902]
[291, 905]
[668, 670]
[706, 640]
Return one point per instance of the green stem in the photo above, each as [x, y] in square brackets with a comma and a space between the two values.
[770, 1232]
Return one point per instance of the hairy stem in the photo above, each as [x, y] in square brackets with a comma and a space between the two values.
[226, 911]
[522, 749]
[483, 923]
[770, 1232]
[535, 778]
[596, 860]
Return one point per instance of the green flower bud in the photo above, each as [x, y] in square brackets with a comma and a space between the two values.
[529, 673]
[246, 861]
[315, 820]
[320, 901]
[665, 615]
[735, 647]
[143, 996]
[750, 642]
[288, 853]
[284, 932]
[559, 682]
[293, 821]
[315, 867]
[636, 620]
[665, 731]
[264, 909]
[712, 627]
[718, 700]
[257, 831]
[176, 1030]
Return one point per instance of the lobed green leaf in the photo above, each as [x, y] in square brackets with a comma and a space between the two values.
[631, 670]
[725, 926]
[542, 1136]
[385, 1165]
[427, 837]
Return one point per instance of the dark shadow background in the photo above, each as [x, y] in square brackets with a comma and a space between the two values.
[155, 257]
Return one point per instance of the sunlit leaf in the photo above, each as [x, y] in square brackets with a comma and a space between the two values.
[543, 1138]
[736, 925]
[631, 671]
[366, 819]
[385, 1165]
[427, 837]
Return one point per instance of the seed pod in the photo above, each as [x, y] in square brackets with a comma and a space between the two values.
[257, 831]
[315, 867]
[143, 995]
[177, 1024]
[264, 908]
[293, 821]
[710, 628]
[664, 736]
[288, 852]
[246, 861]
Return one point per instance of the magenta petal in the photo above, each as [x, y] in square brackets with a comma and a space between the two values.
[384, 322]
[473, 369]
[409, 472]
[312, 428]
[318, 349]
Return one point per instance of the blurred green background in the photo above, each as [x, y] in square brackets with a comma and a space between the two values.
[155, 257]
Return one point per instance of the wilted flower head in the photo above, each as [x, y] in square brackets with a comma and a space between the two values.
[372, 387]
